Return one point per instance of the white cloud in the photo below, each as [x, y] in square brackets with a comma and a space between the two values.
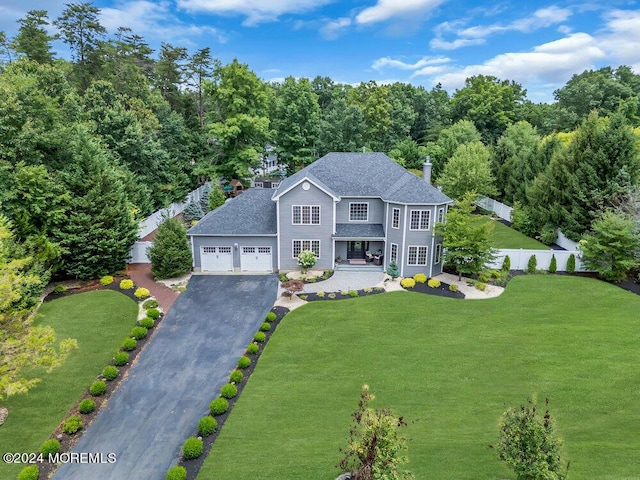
[256, 11]
[552, 62]
[622, 38]
[389, 9]
[424, 62]
[333, 28]
[477, 35]
[154, 21]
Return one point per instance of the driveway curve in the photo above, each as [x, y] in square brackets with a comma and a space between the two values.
[175, 378]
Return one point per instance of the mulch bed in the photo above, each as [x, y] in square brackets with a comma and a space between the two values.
[311, 297]
[67, 442]
[193, 466]
[441, 291]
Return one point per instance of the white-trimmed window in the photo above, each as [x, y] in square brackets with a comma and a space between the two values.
[420, 219]
[438, 256]
[417, 255]
[441, 215]
[300, 245]
[259, 185]
[394, 253]
[358, 212]
[395, 218]
[275, 185]
[305, 214]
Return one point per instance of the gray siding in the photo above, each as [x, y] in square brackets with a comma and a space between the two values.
[230, 242]
[376, 209]
[290, 232]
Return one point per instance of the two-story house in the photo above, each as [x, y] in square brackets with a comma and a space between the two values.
[345, 207]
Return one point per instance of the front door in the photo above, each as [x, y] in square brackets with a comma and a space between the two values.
[356, 249]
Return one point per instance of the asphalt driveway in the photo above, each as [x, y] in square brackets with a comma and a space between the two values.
[175, 378]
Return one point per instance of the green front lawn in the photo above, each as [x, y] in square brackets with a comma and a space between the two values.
[100, 321]
[507, 237]
[451, 368]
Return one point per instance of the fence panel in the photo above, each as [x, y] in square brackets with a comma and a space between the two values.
[520, 259]
[149, 224]
[500, 209]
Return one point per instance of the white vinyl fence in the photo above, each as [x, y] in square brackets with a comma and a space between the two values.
[520, 259]
[139, 250]
[500, 209]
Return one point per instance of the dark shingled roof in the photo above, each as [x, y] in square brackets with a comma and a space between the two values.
[359, 230]
[366, 175]
[251, 213]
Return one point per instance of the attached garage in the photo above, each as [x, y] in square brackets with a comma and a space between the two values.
[256, 259]
[216, 259]
[239, 236]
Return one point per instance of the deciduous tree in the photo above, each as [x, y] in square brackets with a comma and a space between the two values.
[468, 170]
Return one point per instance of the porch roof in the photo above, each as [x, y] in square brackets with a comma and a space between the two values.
[359, 231]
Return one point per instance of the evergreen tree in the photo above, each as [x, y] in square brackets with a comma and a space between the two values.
[32, 39]
[553, 265]
[170, 253]
[467, 243]
[216, 198]
[612, 248]
[192, 212]
[100, 229]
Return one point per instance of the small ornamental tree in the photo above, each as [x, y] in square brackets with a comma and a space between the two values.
[375, 449]
[571, 264]
[306, 260]
[612, 248]
[506, 264]
[216, 198]
[529, 446]
[170, 253]
[292, 287]
[532, 265]
[192, 212]
[393, 271]
[553, 266]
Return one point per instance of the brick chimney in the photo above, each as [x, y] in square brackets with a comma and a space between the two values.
[426, 170]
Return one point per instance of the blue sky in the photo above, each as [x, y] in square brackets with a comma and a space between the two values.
[424, 42]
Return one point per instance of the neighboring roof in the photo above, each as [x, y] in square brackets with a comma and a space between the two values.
[366, 175]
[252, 213]
[359, 230]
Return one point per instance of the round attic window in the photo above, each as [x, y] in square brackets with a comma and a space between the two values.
[306, 186]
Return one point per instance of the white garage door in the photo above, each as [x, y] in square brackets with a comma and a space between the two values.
[256, 259]
[216, 259]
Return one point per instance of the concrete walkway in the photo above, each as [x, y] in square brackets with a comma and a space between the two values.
[176, 376]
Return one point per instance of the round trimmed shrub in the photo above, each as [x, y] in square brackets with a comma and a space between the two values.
[98, 388]
[453, 287]
[228, 391]
[50, 447]
[147, 322]
[32, 472]
[219, 406]
[271, 316]
[177, 473]
[420, 277]
[408, 282]
[121, 358]
[72, 425]
[129, 344]
[434, 283]
[86, 406]
[141, 293]
[153, 313]
[236, 376]
[192, 448]
[260, 337]
[126, 284]
[265, 327]
[139, 332]
[151, 303]
[106, 280]
[253, 348]
[207, 426]
[244, 362]
[110, 372]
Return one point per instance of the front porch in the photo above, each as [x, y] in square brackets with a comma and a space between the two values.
[347, 266]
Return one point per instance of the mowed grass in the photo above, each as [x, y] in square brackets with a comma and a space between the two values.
[99, 321]
[451, 368]
[507, 237]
